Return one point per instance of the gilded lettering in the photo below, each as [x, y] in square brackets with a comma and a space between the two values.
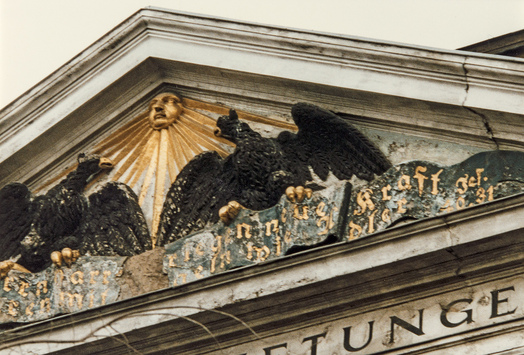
[435, 180]
[92, 276]
[12, 308]
[447, 207]
[287, 237]
[59, 276]
[278, 242]
[45, 305]
[328, 221]
[29, 309]
[104, 296]
[462, 184]
[401, 204]
[243, 230]
[8, 279]
[77, 277]
[420, 178]
[461, 203]
[41, 286]
[187, 255]
[91, 301]
[106, 273]
[199, 249]
[198, 272]
[385, 190]
[481, 193]
[21, 289]
[386, 215]
[75, 297]
[283, 217]
[371, 224]
[404, 183]
[298, 215]
[171, 260]
[364, 201]
[479, 176]
[320, 209]
[273, 223]
[490, 193]
[354, 230]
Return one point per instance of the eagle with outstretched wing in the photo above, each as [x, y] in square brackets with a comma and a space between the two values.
[261, 169]
[35, 229]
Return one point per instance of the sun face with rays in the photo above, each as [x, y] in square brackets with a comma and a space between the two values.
[150, 150]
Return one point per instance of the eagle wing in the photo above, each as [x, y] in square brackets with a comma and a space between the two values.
[203, 186]
[16, 216]
[114, 223]
[327, 143]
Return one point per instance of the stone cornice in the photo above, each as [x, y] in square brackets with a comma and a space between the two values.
[393, 86]
[429, 257]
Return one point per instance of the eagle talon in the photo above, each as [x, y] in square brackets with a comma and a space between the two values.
[298, 194]
[67, 255]
[8, 265]
[229, 212]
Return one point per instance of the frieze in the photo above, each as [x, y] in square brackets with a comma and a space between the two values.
[258, 236]
[418, 189]
[90, 282]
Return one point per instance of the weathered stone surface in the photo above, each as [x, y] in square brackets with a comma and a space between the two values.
[257, 236]
[420, 189]
[88, 283]
[142, 273]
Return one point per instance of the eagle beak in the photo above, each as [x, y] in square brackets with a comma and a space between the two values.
[105, 163]
[218, 132]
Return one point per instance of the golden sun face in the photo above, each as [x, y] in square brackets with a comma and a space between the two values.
[149, 151]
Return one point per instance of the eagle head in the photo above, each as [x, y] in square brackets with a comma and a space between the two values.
[92, 164]
[230, 127]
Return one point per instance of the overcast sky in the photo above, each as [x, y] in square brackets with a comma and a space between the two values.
[39, 36]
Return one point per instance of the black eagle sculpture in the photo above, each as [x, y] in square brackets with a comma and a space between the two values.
[261, 169]
[32, 228]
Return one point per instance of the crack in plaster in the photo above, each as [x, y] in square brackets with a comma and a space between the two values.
[483, 117]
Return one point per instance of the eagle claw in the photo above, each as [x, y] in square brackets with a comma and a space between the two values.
[229, 212]
[67, 255]
[8, 265]
[298, 194]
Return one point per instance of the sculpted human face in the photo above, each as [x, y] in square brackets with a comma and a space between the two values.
[164, 110]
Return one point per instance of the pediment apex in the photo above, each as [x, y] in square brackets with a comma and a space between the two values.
[266, 68]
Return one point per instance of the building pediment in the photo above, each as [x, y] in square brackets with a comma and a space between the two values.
[433, 114]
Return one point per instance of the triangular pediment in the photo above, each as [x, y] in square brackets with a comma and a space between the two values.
[450, 125]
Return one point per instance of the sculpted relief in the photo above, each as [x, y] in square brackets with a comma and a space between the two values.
[196, 180]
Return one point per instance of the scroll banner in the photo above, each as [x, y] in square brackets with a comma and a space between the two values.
[90, 282]
[257, 236]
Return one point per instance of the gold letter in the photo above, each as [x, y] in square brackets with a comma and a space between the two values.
[107, 273]
[43, 285]
[273, 223]
[420, 178]
[435, 179]
[364, 201]
[464, 182]
[246, 227]
[354, 228]
[385, 196]
[386, 215]
[77, 278]
[21, 290]
[404, 183]
[371, 226]
[401, 204]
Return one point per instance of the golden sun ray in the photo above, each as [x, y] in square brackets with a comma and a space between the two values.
[151, 149]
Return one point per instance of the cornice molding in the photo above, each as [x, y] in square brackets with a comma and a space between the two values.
[433, 93]
[421, 259]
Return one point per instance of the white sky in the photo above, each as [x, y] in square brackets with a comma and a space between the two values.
[39, 36]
